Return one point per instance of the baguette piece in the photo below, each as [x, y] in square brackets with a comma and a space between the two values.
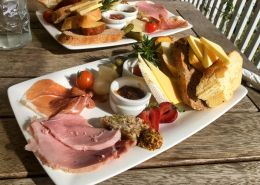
[220, 80]
[94, 29]
[60, 14]
[109, 35]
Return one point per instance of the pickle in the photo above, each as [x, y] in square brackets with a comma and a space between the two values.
[135, 35]
[128, 28]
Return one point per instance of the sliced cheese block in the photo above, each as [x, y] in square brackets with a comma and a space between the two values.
[151, 81]
[196, 46]
[215, 48]
[166, 84]
[194, 61]
[85, 9]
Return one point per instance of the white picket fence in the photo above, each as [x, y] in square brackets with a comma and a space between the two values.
[238, 20]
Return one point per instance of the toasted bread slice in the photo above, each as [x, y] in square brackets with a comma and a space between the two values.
[94, 28]
[109, 35]
[86, 21]
[220, 80]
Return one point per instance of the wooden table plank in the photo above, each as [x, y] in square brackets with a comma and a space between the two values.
[233, 137]
[214, 174]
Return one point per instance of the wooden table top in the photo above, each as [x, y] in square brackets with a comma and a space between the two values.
[225, 152]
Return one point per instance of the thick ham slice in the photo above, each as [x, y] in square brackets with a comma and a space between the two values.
[152, 10]
[47, 98]
[75, 132]
[57, 155]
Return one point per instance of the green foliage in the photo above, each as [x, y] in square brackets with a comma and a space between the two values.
[147, 49]
[107, 4]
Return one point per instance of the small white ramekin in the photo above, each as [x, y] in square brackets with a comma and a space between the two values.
[123, 7]
[121, 105]
[128, 67]
[107, 19]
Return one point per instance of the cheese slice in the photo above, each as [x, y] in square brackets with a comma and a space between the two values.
[81, 4]
[215, 48]
[151, 81]
[196, 46]
[85, 9]
[166, 84]
[194, 61]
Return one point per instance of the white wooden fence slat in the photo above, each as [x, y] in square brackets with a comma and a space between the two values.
[251, 28]
[243, 20]
[209, 8]
[202, 6]
[235, 17]
[214, 10]
[198, 4]
[219, 16]
[251, 49]
[194, 2]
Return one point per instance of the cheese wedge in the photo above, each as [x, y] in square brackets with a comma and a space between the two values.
[194, 61]
[151, 81]
[196, 46]
[166, 84]
[215, 48]
[85, 9]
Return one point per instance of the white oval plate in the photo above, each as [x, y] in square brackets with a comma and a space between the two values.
[187, 124]
[54, 32]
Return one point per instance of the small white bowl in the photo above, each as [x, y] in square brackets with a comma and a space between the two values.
[126, 8]
[121, 105]
[106, 17]
[116, 26]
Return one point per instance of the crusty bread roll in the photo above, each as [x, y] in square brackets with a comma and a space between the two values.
[220, 80]
[109, 35]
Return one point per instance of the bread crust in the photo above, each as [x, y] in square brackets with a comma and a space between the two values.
[109, 35]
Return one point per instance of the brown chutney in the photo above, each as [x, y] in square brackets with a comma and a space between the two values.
[132, 93]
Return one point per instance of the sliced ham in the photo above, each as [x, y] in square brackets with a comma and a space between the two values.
[47, 98]
[57, 155]
[75, 132]
[152, 10]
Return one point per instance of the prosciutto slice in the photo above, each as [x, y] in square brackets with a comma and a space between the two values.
[47, 98]
[57, 155]
[75, 132]
[152, 10]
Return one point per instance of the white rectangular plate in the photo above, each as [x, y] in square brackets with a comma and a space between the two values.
[54, 32]
[187, 124]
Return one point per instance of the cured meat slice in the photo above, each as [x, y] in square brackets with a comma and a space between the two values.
[75, 132]
[59, 156]
[45, 97]
[152, 10]
[171, 23]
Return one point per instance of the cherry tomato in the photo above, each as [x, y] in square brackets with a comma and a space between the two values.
[168, 112]
[151, 27]
[47, 16]
[85, 80]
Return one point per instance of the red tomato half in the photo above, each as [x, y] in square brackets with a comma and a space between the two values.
[47, 16]
[151, 117]
[151, 27]
[85, 80]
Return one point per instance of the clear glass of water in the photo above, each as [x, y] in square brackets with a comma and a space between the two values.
[14, 24]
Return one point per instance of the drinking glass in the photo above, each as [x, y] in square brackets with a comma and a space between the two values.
[14, 24]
